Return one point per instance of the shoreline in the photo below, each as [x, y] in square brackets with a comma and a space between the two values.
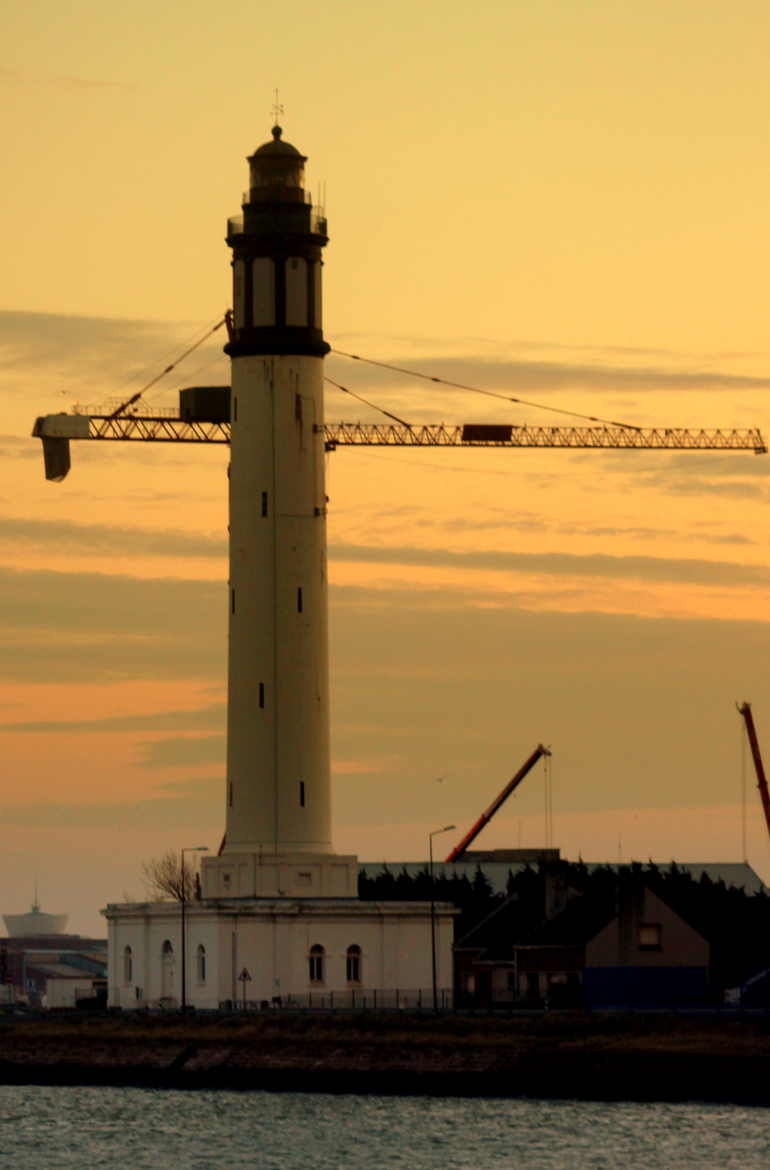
[619, 1058]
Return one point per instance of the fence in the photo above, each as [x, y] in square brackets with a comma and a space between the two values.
[369, 999]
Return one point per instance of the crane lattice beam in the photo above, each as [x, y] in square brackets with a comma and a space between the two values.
[488, 435]
[168, 429]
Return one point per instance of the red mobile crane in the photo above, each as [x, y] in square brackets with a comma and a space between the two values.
[745, 710]
[500, 799]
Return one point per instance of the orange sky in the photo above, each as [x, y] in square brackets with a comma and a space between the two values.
[564, 205]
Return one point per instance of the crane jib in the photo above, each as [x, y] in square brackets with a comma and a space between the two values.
[203, 419]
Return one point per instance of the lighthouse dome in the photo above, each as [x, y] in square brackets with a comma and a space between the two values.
[276, 172]
[277, 147]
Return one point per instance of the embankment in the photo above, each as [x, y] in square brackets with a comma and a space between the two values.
[613, 1057]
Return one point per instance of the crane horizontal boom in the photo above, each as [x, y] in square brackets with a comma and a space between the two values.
[488, 435]
[170, 428]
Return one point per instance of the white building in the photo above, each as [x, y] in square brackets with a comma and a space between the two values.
[279, 916]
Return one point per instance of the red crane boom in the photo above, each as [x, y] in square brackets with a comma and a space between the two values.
[751, 731]
[500, 799]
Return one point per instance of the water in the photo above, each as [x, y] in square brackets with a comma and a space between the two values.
[46, 1128]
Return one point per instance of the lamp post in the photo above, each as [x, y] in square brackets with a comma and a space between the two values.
[189, 849]
[435, 833]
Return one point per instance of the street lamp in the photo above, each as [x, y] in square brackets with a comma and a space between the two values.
[189, 849]
[435, 833]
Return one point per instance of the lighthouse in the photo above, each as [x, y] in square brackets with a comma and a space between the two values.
[278, 816]
[278, 919]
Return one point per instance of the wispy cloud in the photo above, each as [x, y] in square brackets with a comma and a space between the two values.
[82, 348]
[185, 809]
[682, 570]
[182, 751]
[91, 626]
[110, 539]
[67, 81]
[500, 374]
[211, 718]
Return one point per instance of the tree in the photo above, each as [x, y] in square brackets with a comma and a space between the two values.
[162, 878]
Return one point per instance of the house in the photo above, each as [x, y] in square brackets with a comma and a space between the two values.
[616, 943]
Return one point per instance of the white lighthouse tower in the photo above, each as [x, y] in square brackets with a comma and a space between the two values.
[278, 835]
[279, 919]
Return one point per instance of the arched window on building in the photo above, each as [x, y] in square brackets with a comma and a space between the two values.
[316, 963]
[166, 970]
[200, 963]
[128, 965]
[353, 964]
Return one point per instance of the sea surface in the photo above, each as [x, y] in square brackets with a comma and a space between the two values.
[46, 1128]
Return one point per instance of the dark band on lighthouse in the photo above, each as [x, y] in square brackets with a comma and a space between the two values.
[277, 244]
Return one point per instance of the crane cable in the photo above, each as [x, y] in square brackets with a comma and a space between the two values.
[191, 349]
[366, 402]
[489, 393]
[385, 366]
[548, 800]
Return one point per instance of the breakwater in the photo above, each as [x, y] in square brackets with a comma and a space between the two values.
[558, 1055]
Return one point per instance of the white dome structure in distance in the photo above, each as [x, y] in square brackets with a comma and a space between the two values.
[34, 923]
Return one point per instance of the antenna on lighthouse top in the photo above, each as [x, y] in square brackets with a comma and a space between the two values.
[276, 111]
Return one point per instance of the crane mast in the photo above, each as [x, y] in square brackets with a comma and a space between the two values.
[744, 709]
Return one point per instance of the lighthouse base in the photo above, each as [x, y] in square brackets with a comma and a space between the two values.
[280, 875]
[270, 953]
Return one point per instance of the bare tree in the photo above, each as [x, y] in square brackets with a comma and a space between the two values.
[162, 878]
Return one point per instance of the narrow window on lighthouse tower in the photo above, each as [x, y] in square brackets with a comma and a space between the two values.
[299, 600]
[302, 794]
[264, 503]
[261, 694]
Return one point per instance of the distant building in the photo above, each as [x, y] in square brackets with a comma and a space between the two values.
[34, 923]
[56, 970]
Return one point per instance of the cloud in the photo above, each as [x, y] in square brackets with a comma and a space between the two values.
[211, 718]
[510, 519]
[186, 809]
[501, 374]
[110, 539]
[58, 626]
[714, 464]
[362, 341]
[182, 751]
[78, 350]
[91, 626]
[639, 711]
[435, 682]
[597, 565]
[732, 489]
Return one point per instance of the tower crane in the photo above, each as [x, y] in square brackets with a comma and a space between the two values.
[204, 417]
